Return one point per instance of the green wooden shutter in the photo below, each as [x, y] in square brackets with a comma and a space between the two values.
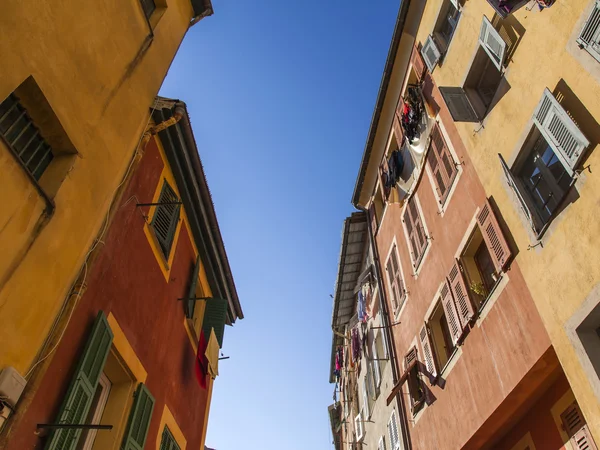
[139, 419]
[166, 218]
[77, 402]
[190, 304]
[167, 441]
[214, 318]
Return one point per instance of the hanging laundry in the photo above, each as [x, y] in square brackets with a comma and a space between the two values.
[366, 288]
[362, 307]
[201, 365]
[355, 345]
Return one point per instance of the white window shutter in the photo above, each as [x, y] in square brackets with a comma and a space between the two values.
[366, 396]
[590, 34]
[431, 54]
[393, 432]
[492, 43]
[358, 425]
[381, 445]
[559, 130]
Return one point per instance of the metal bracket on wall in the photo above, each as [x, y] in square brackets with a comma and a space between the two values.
[201, 298]
[72, 426]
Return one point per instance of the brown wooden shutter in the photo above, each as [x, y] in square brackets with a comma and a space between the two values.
[462, 300]
[428, 355]
[410, 231]
[392, 279]
[373, 217]
[577, 429]
[451, 314]
[446, 167]
[417, 62]
[435, 168]
[418, 225]
[494, 239]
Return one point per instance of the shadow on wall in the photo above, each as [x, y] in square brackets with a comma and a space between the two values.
[511, 30]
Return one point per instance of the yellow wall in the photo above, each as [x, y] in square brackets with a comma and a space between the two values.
[99, 71]
[563, 272]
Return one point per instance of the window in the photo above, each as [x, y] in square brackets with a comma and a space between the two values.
[149, 7]
[576, 428]
[544, 170]
[358, 426]
[166, 218]
[23, 137]
[589, 38]
[365, 392]
[195, 291]
[392, 427]
[436, 340]
[437, 44]
[84, 390]
[381, 444]
[415, 388]
[376, 366]
[441, 164]
[168, 442]
[396, 283]
[96, 410]
[471, 102]
[415, 232]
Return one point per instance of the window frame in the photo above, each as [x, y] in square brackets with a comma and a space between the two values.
[173, 217]
[167, 434]
[412, 209]
[359, 426]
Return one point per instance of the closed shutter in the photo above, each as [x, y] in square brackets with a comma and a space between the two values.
[441, 163]
[190, 304]
[167, 441]
[392, 279]
[76, 404]
[454, 323]
[214, 318]
[590, 35]
[358, 425]
[166, 218]
[381, 445]
[431, 53]
[559, 130]
[373, 217]
[492, 43]
[415, 231]
[139, 419]
[427, 351]
[376, 367]
[418, 65]
[464, 307]
[493, 237]
[458, 104]
[365, 392]
[393, 432]
[577, 429]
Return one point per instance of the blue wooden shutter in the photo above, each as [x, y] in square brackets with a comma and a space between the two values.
[166, 218]
[77, 403]
[214, 318]
[190, 304]
[139, 419]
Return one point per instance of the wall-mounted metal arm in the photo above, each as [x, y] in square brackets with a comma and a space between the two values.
[74, 426]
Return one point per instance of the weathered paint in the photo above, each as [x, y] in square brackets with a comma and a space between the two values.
[566, 268]
[127, 283]
[99, 70]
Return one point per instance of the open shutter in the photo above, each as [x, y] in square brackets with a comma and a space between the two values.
[431, 54]
[512, 182]
[462, 300]
[139, 419]
[167, 441]
[190, 304]
[166, 218]
[492, 43]
[459, 104]
[559, 130]
[381, 445]
[418, 63]
[214, 318]
[427, 351]
[577, 429]
[393, 432]
[365, 389]
[77, 403]
[376, 367]
[358, 424]
[493, 237]
[590, 35]
[454, 323]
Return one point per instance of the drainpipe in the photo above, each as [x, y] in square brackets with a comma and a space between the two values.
[157, 128]
[388, 332]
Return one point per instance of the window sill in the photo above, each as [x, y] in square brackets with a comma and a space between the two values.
[454, 357]
[491, 298]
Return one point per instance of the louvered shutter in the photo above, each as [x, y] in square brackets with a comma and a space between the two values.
[464, 307]
[577, 429]
[418, 64]
[365, 389]
[165, 219]
[590, 35]
[215, 315]
[418, 224]
[167, 441]
[414, 248]
[381, 445]
[428, 355]
[392, 280]
[450, 311]
[77, 403]
[190, 304]
[559, 130]
[431, 54]
[492, 43]
[493, 237]
[512, 182]
[441, 163]
[458, 104]
[139, 419]
[393, 432]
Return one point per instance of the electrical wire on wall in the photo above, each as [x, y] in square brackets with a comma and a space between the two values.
[78, 288]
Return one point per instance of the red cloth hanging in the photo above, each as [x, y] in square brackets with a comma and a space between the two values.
[201, 365]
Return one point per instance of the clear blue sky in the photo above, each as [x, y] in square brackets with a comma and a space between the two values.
[280, 95]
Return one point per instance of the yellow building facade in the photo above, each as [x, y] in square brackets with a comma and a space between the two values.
[524, 91]
[76, 93]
